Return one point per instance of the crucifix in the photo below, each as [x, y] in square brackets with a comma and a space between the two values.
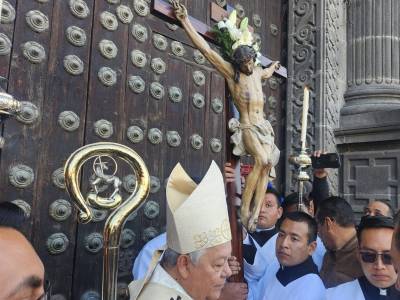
[252, 133]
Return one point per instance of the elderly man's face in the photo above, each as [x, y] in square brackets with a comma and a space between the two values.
[21, 271]
[292, 246]
[395, 253]
[374, 256]
[207, 278]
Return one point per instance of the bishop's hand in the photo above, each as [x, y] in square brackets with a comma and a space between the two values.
[180, 10]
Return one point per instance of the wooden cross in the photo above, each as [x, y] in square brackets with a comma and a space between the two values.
[165, 11]
[217, 14]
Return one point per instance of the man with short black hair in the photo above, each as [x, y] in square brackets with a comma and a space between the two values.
[21, 271]
[294, 275]
[336, 229]
[379, 207]
[374, 238]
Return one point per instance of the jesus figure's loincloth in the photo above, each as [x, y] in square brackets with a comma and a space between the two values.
[263, 131]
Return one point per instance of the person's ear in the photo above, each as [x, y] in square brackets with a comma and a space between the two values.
[311, 208]
[330, 224]
[311, 247]
[280, 212]
[182, 266]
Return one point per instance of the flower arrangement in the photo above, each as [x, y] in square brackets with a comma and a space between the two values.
[229, 36]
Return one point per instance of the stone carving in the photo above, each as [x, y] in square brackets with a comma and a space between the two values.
[58, 178]
[60, 210]
[274, 29]
[136, 84]
[107, 76]
[173, 138]
[196, 141]
[79, 8]
[129, 183]
[139, 32]
[135, 134]
[198, 100]
[99, 215]
[199, 57]
[34, 52]
[217, 105]
[155, 136]
[157, 90]
[109, 21]
[5, 44]
[29, 113]
[76, 36]
[108, 49]
[124, 14]
[175, 94]
[301, 62]
[151, 209]
[149, 233]
[171, 26]
[141, 7]
[37, 20]
[240, 10]
[94, 242]
[24, 206]
[90, 295]
[73, 65]
[257, 20]
[199, 78]
[160, 42]
[221, 3]
[21, 176]
[177, 48]
[158, 65]
[138, 58]
[128, 238]
[103, 129]
[155, 184]
[68, 120]
[57, 243]
[216, 145]
[7, 14]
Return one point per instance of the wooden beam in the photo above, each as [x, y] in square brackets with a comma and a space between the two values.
[164, 10]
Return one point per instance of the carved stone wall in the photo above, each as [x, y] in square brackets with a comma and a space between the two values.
[316, 49]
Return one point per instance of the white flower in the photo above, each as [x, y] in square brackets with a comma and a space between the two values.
[221, 25]
[235, 34]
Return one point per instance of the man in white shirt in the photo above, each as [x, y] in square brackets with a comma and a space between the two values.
[294, 275]
[374, 239]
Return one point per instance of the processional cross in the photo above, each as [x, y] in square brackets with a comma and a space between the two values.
[253, 134]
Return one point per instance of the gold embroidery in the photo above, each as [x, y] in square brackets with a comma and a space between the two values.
[213, 237]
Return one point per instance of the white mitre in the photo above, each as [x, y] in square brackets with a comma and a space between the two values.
[197, 215]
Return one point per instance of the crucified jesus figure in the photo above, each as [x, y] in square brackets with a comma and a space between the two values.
[253, 134]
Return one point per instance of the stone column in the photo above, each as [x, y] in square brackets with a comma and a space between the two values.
[373, 77]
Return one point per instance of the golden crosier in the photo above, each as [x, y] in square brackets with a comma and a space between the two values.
[9, 105]
[115, 222]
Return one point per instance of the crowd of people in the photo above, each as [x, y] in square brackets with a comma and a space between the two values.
[318, 252]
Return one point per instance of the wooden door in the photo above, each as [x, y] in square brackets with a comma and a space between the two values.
[110, 70]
